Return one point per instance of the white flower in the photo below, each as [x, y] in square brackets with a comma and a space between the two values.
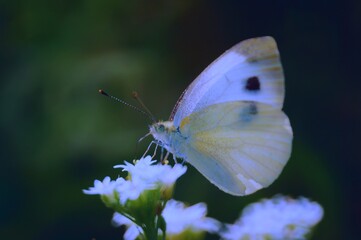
[148, 186]
[105, 187]
[144, 175]
[140, 168]
[277, 218]
[178, 218]
[131, 190]
[144, 170]
[169, 175]
[132, 231]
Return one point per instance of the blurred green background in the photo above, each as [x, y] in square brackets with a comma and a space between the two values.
[58, 134]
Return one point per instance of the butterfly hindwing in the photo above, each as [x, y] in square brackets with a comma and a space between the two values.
[239, 146]
[249, 71]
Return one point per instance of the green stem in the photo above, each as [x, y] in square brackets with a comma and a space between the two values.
[149, 235]
[150, 231]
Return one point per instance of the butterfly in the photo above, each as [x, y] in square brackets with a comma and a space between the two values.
[229, 122]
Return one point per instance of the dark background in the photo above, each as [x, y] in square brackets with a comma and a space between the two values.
[58, 135]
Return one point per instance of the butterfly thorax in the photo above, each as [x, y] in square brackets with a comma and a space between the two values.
[166, 134]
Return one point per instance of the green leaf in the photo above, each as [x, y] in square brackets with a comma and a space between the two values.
[162, 225]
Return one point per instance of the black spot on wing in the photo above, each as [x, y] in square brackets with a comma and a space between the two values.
[252, 108]
[249, 111]
[253, 84]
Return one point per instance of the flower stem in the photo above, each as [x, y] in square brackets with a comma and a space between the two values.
[150, 232]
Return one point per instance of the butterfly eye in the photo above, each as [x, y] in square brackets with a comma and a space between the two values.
[161, 128]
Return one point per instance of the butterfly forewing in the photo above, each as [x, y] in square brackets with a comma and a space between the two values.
[249, 71]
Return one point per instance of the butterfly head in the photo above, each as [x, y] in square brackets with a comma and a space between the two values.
[162, 130]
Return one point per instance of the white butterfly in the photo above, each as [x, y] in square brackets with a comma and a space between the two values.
[229, 124]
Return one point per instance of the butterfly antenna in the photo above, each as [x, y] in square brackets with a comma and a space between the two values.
[139, 100]
[126, 104]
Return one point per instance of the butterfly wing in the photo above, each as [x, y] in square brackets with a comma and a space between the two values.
[251, 70]
[238, 146]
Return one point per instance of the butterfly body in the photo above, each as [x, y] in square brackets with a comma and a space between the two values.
[229, 124]
[167, 135]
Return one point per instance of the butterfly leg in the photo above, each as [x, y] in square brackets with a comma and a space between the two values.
[150, 144]
[165, 159]
[155, 150]
[141, 139]
[161, 152]
[175, 158]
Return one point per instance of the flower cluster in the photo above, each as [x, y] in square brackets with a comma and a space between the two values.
[143, 175]
[182, 222]
[143, 201]
[277, 218]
